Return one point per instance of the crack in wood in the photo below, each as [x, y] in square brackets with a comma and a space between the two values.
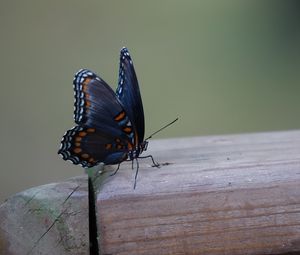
[93, 231]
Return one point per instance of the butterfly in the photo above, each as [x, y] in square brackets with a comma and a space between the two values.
[110, 125]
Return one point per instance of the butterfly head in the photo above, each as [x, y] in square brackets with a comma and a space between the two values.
[133, 154]
[143, 146]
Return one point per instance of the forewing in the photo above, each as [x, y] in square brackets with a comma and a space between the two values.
[96, 104]
[128, 92]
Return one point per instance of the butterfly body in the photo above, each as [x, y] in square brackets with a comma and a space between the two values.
[110, 126]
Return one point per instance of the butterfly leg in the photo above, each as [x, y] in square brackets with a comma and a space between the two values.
[155, 164]
[116, 170]
[136, 172]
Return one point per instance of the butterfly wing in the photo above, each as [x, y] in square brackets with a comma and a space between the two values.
[104, 132]
[95, 101]
[128, 92]
[88, 147]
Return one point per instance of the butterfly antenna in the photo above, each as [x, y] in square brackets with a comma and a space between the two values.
[169, 124]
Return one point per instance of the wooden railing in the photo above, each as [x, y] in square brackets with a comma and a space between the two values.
[233, 194]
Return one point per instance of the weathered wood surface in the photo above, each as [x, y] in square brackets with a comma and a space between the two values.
[50, 219]
[234, 194]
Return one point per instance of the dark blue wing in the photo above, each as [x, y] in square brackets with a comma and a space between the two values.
[128, 92]
[95, 102]
[104, 132]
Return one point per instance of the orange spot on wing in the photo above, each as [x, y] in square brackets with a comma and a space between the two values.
[108, 146]
[85, 83]
[119, 146]
[78, 139]
[77, 150]
[91, 130]
[127, 129]
[129, 146]
[87, 103]
[85, 155]
[77, 144]
[120, 116]
[82, 133]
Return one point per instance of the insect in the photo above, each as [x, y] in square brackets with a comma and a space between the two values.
[110, 126]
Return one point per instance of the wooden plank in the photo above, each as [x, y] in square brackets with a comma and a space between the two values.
[49, 219]
[233, 194]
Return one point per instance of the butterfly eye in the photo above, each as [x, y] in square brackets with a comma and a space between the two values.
[144, 146]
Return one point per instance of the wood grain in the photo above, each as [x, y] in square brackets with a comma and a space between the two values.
[233, 194]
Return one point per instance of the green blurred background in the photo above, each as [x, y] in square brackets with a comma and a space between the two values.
[221, 66]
